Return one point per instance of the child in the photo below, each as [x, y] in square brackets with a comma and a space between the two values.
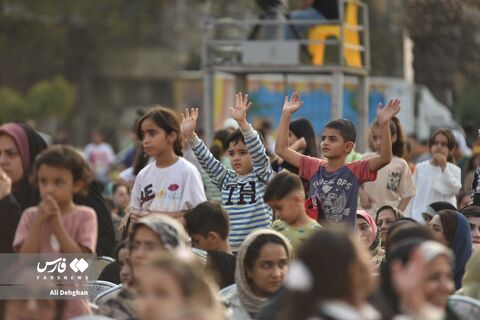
[208, 227]
[243, 187]
[285, 195]
[169, 185]
[332, 182]
[437, 179]
[394, 185]
[58, 225]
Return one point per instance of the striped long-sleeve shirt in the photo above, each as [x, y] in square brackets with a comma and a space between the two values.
[242, 196]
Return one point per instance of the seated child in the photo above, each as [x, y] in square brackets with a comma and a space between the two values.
[286, 196]
[334, 183]
[208, 226]
[243, 187]
[57, 224]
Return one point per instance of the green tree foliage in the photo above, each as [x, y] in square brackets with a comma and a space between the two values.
[45, 99]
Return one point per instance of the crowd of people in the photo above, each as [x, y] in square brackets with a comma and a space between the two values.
[250, 228]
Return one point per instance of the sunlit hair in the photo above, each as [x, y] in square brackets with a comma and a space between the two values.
[197, 287]
[165, 119]
[63, 157]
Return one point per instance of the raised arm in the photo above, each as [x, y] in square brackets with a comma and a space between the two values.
[384, 115]
[214, 168]
[281, 147]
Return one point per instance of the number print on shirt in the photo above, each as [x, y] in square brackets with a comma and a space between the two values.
[244, 193]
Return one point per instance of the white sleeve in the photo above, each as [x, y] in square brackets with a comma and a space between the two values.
[135, 198]
[194, 192]
[449, 182]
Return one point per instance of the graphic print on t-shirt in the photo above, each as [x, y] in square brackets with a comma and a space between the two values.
[393, 181]
[163, 200]
[337, 192]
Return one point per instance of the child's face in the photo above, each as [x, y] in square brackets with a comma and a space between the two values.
[57, 182]
[155, 140]
[121, 198]
[440, 145]
[376, 136]
[289, 208]
[334, 145]
[240, 158]
[159, 295]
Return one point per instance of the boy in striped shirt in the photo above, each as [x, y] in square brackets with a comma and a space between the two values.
[243, 187]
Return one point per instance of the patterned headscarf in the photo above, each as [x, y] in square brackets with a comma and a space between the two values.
[171, 233]
[249, 300]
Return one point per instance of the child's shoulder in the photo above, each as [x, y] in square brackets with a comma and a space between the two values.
[84, 211]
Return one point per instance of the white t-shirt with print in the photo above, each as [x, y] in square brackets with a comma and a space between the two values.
[177, 187]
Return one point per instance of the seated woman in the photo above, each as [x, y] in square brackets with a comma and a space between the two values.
[150, 236]
[330, 279]
[385, 217]
[262, 264]
[185, 291]
[418, 279]
[19, 145]
[452, 229]
[367, 233]
[471, 279]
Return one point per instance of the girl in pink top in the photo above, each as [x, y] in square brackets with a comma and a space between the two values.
[58, 225]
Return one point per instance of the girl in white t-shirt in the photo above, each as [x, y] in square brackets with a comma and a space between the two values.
[437, 179]
[170, 184]
[394, 185]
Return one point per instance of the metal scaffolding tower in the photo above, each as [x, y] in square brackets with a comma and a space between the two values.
[228, 49]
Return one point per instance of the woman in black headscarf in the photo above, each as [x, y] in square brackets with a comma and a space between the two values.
[19, 145]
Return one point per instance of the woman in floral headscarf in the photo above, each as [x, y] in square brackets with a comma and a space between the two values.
[149, 237]
[367, 232]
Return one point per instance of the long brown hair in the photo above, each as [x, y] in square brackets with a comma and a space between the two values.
[165, 119]
[326, 253]
[447, 133]
[395, 129]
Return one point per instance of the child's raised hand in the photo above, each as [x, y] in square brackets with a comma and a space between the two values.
[292, 105]
[189, 122]
[384, 115]
[239, 111]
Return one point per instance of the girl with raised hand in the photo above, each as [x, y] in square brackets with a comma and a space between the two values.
[437, 179]
[262, 264]
[394, 185]
[169, 185]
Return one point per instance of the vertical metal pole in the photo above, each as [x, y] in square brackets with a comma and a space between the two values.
[208, 86]
[341, 17]
[337, 94]
[241, 83]
[366, 38]
[363, 107]
[207, 110]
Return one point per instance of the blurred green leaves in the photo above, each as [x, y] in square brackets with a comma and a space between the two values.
[45, 99]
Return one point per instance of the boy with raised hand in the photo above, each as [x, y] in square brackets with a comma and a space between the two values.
[334, 185]
[286, 196]
[243, 187]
